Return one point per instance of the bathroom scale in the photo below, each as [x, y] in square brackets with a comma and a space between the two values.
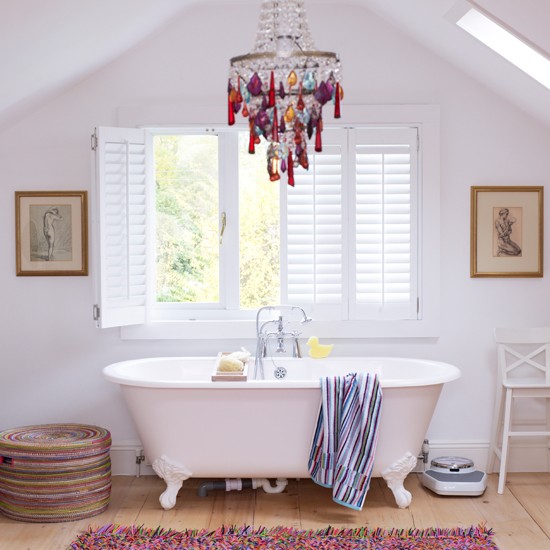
[454, 476]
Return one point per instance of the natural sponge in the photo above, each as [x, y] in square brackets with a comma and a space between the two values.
[230, 364]
[243, 355]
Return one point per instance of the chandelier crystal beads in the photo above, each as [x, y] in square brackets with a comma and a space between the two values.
[282, 86]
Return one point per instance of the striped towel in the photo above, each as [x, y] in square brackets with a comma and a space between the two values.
[342, 452]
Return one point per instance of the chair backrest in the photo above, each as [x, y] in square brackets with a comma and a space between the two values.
[523, 354]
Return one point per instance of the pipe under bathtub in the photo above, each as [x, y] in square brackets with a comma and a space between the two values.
[240, 484]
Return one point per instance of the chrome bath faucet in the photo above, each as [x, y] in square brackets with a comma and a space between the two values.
[275, 328]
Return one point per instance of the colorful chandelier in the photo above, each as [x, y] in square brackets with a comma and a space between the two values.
[282, 86]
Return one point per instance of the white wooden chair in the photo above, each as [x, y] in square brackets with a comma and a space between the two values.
[523, 357]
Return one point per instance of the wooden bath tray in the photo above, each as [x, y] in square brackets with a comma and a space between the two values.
[228, 376]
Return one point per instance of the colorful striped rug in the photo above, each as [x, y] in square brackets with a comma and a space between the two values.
[115, 537]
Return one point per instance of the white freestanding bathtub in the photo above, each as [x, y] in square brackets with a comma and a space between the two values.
[259, 429]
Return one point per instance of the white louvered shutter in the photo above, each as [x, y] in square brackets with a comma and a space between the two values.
[384, 217]
[121, 219]
[312, 238]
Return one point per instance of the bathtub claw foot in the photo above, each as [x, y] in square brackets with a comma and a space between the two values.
[174, 474]
[395, 475]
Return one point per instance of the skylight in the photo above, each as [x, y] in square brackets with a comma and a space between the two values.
[502, 41]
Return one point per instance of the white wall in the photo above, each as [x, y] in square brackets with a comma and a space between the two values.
[52, 354]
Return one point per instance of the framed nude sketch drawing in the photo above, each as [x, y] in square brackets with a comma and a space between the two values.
[51, 229]
[506, 232]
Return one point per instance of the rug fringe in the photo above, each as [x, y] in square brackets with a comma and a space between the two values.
[357, 532]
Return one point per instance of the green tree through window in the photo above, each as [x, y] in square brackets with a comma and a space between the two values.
[186, 179]
[187, 220]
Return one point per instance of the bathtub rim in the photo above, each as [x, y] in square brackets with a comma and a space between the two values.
[114, 373]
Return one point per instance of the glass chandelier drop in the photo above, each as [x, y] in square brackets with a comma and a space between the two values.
[282, 86]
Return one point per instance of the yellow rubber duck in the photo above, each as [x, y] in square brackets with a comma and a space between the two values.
[316, 350]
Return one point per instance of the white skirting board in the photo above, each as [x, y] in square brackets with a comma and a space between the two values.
[125, 460]
[524, 456]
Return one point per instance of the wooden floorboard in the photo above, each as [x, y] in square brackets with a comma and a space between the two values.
[272, 510]
[520, 517]
[533, 494]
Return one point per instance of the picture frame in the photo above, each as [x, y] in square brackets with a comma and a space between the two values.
[507, 231]
[51, 229]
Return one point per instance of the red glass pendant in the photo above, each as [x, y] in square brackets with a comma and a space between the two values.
[318, 142]
[337, 101]
[251, 147]
[304, 161]
[300, 105]
[290, 169]
[272, 91]
[230, 111]
[275, 130]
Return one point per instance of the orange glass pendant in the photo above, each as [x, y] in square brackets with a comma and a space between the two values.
[292, 79]
[289, 114]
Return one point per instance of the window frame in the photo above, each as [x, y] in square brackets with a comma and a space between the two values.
[228, 305]
[426, 117]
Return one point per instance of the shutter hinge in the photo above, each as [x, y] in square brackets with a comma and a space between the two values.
[94, 141]
[97, 312]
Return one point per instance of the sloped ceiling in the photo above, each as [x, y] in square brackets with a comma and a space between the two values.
[430, 23]
[46, 46]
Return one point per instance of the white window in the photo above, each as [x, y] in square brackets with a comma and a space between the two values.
[121, 226]
[384, 211]
[187, 232]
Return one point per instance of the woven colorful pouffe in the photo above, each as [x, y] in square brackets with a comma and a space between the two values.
[54, 472]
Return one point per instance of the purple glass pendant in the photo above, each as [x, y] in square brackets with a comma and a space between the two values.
[255, 85]
[322, 94]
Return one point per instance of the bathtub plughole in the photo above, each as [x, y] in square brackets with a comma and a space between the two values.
[190, 426]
